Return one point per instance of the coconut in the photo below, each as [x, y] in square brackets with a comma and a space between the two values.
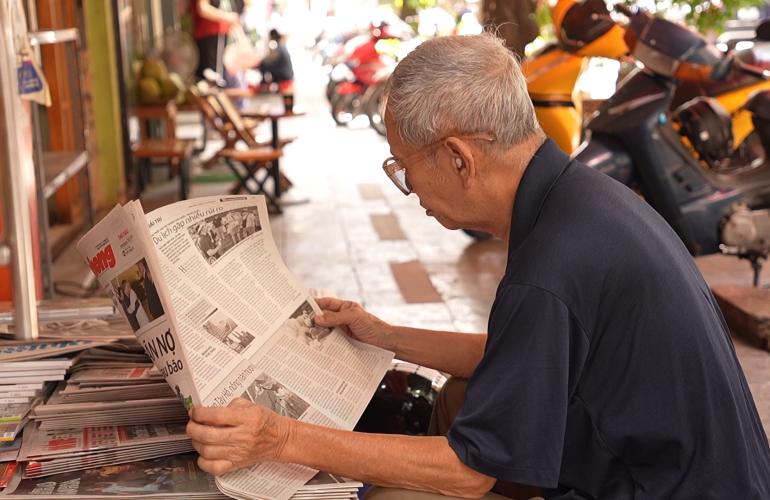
[154, 68]
[149, 89]
[169, 88]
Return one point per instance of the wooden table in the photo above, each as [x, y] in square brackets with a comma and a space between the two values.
[164, 111]
[194, 107]
[274, 114]
[173, 149]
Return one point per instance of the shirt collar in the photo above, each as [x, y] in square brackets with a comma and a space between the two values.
[546, 166]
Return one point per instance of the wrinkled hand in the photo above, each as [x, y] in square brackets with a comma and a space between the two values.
[241, 434]
[353, 320]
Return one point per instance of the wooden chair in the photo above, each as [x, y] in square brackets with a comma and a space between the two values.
[213, 103]
[246, 164]
[173, 149]
[240, 125]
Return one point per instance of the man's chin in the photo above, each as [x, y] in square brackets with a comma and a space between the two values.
[448, 223]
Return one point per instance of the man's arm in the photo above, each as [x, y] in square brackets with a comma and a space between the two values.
[454, 353]
[245, 433]
[457, 354]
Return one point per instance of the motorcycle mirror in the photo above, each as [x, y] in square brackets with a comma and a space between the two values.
[763, 31]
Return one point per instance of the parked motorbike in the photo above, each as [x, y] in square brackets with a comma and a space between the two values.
[683, 162]
[373, 99]
[585, 29]
[366, 63]
[338, 70]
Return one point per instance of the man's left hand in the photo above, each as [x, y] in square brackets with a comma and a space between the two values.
[241, 434]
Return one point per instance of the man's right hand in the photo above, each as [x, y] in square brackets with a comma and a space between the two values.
[353, 320]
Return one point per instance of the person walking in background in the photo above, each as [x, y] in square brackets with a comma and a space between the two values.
[210, 24]
[277, 64]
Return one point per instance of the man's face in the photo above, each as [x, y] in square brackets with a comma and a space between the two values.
[435, 187]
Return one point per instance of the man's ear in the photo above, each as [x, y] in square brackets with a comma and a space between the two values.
[463, 159]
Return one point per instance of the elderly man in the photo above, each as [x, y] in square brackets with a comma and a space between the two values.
[607, 371]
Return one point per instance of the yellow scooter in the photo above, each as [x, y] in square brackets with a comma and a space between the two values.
[585, 29]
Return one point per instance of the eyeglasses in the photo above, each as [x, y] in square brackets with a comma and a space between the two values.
[396, 169]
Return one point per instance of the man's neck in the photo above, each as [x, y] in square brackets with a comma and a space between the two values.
[507, 178]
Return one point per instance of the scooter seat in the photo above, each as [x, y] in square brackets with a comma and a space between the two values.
[758, 57]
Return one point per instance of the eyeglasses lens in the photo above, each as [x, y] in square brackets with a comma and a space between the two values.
[400, 179]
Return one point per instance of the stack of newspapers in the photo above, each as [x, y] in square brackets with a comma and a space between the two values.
[105, 416]
[141, 400]
[57, 451]
[28, 371]
[169, 477]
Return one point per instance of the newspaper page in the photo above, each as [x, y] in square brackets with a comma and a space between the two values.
[117, 252]
[249, 326]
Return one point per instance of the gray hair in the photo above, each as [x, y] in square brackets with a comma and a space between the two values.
[460, 85]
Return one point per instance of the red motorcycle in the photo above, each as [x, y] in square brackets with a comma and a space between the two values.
[349, 97]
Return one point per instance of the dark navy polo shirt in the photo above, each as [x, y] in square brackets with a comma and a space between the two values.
[609, 371]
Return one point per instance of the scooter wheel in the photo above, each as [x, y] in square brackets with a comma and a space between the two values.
[331, 90]
[373, 111]
[343, 108]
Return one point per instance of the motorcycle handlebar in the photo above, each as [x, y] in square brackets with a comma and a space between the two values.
[623, 9]
[753, 70]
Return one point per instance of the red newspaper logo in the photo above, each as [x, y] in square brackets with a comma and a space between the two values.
[102, 260]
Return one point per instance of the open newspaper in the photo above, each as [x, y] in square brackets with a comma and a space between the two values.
[203, 287]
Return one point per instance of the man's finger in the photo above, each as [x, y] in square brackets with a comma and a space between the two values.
[214, 416]
[344, 317]
[240, 403]
[216, 467]
[330, 303]
[207, 434]
[213, 451]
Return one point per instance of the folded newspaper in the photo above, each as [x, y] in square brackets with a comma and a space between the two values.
[204, 289]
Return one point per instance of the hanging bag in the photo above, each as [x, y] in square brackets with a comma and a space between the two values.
[240, 53]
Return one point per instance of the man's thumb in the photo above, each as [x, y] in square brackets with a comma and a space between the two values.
[326, 319]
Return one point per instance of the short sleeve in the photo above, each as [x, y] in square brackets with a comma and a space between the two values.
[513, 421]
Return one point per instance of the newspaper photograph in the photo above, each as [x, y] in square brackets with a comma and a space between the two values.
[301, 327]
[267, 392]
[134, 293]
[217, 234]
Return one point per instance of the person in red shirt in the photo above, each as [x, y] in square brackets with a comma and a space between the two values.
[210, 23]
